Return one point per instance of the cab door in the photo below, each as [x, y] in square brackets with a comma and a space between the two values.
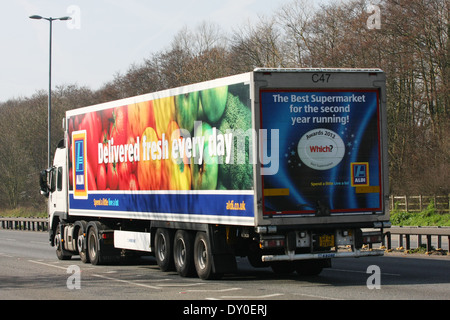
[57, 198]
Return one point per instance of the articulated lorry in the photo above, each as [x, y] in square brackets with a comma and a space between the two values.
[287, 167]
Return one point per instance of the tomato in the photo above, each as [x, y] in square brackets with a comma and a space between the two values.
[134, 184]
[101, 176]
[76, 122]
[112, 176]
[70, 121]
[131, 164]
[124, 175]
[70, 178]
[92, 186]
[176, 172]
[92, 124]
[164, 113]
[148, 170]
[140, 116]
[106, 118]
[119, 126]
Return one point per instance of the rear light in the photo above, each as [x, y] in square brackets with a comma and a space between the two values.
[272, 243]
[372, 238]
[107, 236]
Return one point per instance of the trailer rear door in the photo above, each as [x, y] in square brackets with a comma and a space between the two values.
[330, 143]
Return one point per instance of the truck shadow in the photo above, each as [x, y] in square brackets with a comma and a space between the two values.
[356, 272]
[344, 272]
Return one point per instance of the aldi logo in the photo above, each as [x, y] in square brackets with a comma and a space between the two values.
[360, 174]
[80, 190]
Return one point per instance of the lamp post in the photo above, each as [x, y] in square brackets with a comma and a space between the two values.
[49, 80]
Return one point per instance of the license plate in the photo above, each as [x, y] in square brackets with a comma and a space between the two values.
[326, 240]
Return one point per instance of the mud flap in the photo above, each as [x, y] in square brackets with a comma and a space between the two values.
[224, 260]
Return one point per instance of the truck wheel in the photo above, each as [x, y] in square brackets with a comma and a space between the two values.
[163, 249]
[254, 257]
[203, 258]
[93, 247]
[82, 251]
[58, 244]
[183, 256]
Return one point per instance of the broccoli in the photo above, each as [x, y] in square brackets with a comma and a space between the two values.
[237, 118]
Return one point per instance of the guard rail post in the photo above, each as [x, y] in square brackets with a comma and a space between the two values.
[429, 232]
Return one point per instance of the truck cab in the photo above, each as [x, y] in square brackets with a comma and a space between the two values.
[53, 183]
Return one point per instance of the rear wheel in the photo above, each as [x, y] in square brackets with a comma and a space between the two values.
[183, 247]
[82, 251]
[163, 249]
[203, 257]
[93, 245]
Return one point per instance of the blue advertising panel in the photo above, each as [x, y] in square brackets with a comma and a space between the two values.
[329, 151]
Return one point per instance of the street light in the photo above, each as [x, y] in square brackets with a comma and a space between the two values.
[37, 17]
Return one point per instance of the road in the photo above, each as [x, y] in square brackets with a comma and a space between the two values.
[29, 269]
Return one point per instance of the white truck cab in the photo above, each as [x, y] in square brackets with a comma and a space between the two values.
[54, 184]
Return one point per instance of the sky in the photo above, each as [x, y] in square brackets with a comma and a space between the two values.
[103, 38]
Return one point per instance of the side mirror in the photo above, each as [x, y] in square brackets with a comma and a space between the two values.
[43, 183]
[46, 182]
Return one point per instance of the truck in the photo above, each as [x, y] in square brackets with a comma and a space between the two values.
[287, 167]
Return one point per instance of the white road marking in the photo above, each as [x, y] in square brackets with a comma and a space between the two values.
[357, 271]
[47, 264]
[317, 297]
[253, 297]
[127, 282]
[180, 284]
[6, 255]
[211, 290]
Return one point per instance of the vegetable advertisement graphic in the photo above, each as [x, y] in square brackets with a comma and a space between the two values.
[171, 150]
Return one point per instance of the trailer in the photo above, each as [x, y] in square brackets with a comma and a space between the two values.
[287, 167]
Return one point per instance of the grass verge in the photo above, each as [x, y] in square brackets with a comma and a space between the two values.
[23, 213]
[428, 217]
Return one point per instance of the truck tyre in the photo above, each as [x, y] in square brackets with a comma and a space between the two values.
[163, 249]
[183, 255]
[93, 247]
[58, 244]
[82, 251]
[203, 258]
[254, 257]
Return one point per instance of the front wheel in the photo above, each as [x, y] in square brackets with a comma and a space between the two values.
[58, 244]
[163, 249]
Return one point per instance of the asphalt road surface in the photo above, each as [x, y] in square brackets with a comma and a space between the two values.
[29, 269]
